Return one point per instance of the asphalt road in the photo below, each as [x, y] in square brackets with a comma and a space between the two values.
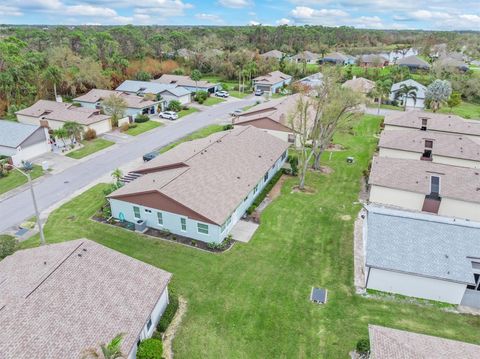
[54, 188]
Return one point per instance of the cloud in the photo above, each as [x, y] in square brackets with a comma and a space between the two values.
[307, 15]
[6, 10]
[283, 21]
[235, 4]
[209, 17]
[253, 23]
[89, 10]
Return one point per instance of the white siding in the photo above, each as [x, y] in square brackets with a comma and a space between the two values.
[101, 127]
[415, 286]
[27, 153]
[392, 153]
[395, 197]
[409, 155]
[460, 209]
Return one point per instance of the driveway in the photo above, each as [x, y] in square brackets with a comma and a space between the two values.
[60, 186]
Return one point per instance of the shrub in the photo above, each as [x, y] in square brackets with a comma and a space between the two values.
[185, 107]
[27, 165]
[150, 349]
[201, 96]
[124, 127]
[178, 71]
[90, 134]
[175, 105]
[143, 76]
[8, 245]
[141, 118]
[132, 125]
[169, 313]
[293, 160]
[227, 127]
[363, 346]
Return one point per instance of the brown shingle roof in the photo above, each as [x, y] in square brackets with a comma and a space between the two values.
[435, 122]
[59, 111]
[272, 78]
[184, 81]
[133, 101]
[444, 144]
[388, 343]
[60, 299]
[276, 54]
[306, 56]
[210, 176]
[460, 183]
[360, 84]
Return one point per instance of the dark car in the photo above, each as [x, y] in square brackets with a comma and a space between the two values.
[149, 156]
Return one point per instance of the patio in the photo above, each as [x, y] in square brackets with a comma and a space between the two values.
[243, 231]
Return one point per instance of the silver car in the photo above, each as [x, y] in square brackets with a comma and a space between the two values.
[169, 115]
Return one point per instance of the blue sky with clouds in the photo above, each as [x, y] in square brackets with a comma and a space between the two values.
[377, 14]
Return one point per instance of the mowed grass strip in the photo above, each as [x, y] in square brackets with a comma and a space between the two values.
[143, 127]
[90, 147]
[15, 179]
[253, 301]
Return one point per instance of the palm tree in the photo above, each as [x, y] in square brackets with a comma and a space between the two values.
[61, 134]
[53, 75]
[196, 76]
[382, 89]
[405, 92]
[74, 130]
[111, 350]
[117, 175]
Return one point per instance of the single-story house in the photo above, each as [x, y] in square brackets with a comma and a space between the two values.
[272, 82]
[452, 63]
[413, 63]
[273, 54]
[307, 57]
[372, 60]
[415, 185]
[274, 117]
[53, 115]
[388, 343]
[337, 58]
[188, 83]
[22, 142]
[437, 122]
[360, 85]
[422, 255]
[438, 147]
[438, 50]
[60, 300]
[136, 105]
[420, 93]
[164, 93]
[312, 82]
[200, 189]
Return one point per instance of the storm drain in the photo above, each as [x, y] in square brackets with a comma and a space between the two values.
[318, 295]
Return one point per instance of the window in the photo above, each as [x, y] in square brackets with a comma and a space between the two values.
[148, 210]
[160, 218]
[245, 199]
[428, 144]
[476, 279]
[265, 178]
[285, 153]
[291, 139]
[435, 185]
[183, 222]
[202, 228]
[225, 225]
[424, 124]
[255, 189]
[136, 212]
[149, 323]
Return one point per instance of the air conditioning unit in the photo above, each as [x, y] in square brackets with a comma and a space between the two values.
[141, 226]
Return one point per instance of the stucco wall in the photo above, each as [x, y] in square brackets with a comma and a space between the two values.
[167, 96]
[155, 316]
[392, 153]
[415, 286]
[456, 161]
[101, 127]
[460, 209]
[172, 221]
[395, 197]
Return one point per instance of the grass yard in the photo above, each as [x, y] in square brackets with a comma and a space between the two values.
[90, 147]
[16, 179]
[465, 110]
[212, 100]
[143, 127]
[238, 94]
[253, 301]
[187, 112]
[204, 132]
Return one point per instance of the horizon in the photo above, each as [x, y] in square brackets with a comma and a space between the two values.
[410, 15]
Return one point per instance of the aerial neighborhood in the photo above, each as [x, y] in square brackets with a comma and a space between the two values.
[227, 191]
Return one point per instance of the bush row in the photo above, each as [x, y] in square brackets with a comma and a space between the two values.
[170, 311]
[264, 192]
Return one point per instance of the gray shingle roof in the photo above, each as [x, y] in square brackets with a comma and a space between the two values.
[388, 343]
[60, 299]
[144, 86]
[421, 244]
[272, 78]
[12, 134]
[413, 61]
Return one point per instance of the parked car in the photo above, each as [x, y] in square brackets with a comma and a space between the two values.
[258, 92]
[149, 156]
[236, 112]
[224, 94]
[169, 115]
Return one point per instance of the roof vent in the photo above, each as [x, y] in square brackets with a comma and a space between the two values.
[84, 249]
[238, 177]
[45, 263]
[79, 254]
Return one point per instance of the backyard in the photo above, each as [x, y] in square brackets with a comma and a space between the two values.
[465, 110]
[90, 147]
[253, 301]
[16, 179]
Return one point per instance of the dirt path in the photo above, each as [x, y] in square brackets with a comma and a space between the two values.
[277, 189]
[169, 335]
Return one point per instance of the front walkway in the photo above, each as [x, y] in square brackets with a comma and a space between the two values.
[243, 231]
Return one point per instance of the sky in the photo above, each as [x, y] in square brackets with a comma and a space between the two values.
[374, 14]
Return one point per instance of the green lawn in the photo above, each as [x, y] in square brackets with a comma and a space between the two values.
[15, 179]
[143, 127]
[465, 110]
[212, 100]
[187, 112]
[253, 301]
[204, 132]
[90, 147]
[238, 94]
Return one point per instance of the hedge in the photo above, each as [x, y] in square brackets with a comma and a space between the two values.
[170, 311]
[150, 349]
[264, 192]
[142, 118]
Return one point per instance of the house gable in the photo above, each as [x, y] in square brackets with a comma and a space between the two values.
[266, 124]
